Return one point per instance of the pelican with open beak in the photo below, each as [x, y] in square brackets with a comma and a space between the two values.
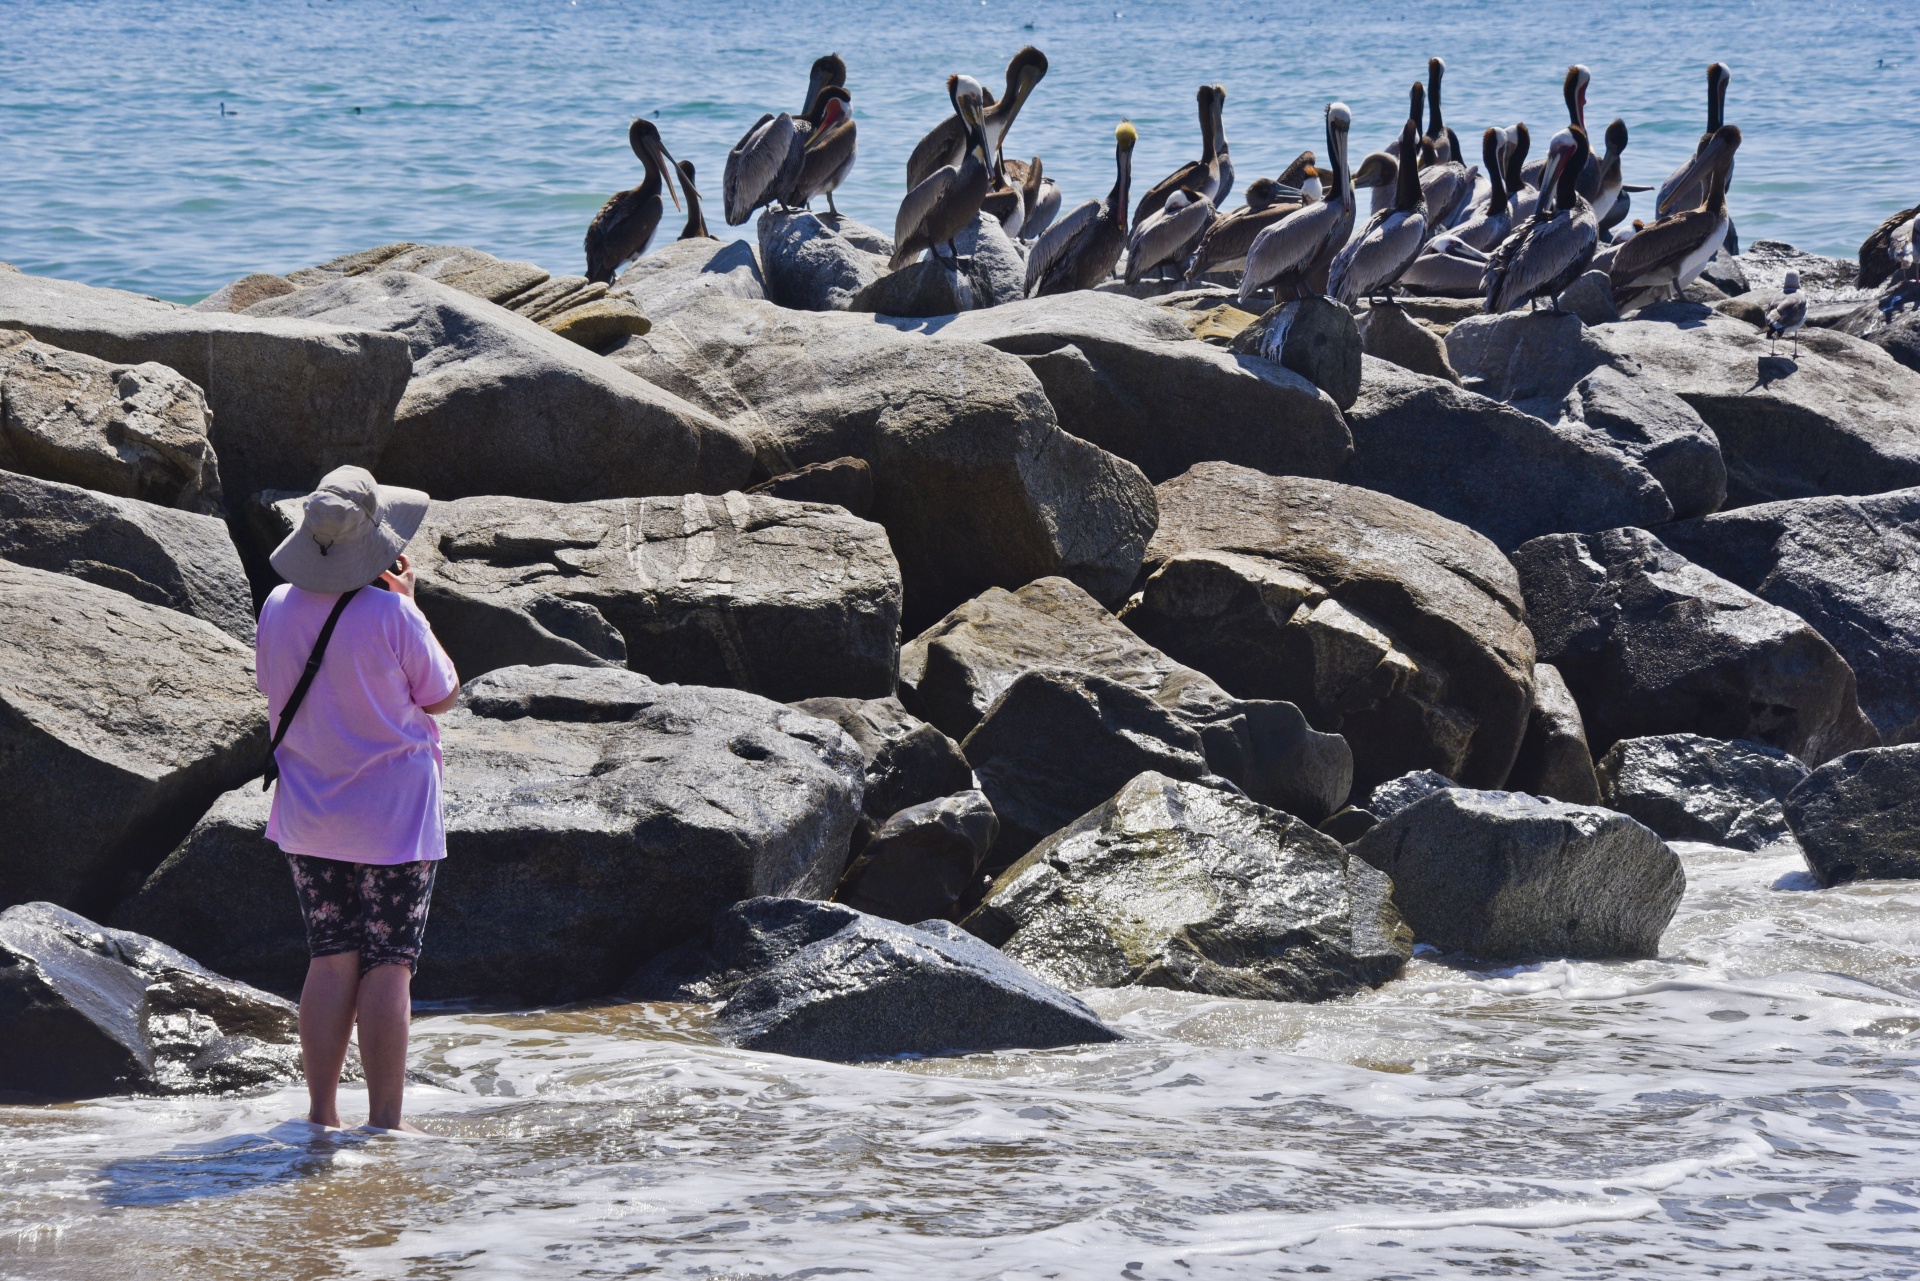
[1079, 250]
[826, 157]
[626, 223]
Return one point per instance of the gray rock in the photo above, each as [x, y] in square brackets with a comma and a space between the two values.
[1850, 567]
[973, 479]
[135, 431]
[1689, 788]
[1498, 471]
[1388, 333]
[997, 266]
[1656, 429]
[1858, 817]
[1396, 794]
[1590, 298]
[822, 981]
[923, 859]
[919, 290]
[593, 819]
[290, 399]
[120, 722]
[809, 266]
[1131, 378]
[1766, 263]
[683, 273]
[1171, 884]
[1505, 876]
[471, 271]
[1555, 761]
[1724, 273]
[87, 1011]
[790, 600]
[159, 555]
[1349, 824]
[1651, 643]
[1392, 626]
[1316, 338]
[908, 762]
[960, 670]
[1895, 332]
[499, 405]
[845, 482]
[1523, 355]
[238, 295]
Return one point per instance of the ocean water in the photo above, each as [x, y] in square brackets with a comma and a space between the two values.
[502, 123]
[1746, 1105]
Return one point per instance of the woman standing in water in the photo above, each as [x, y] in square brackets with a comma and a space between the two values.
[353, 678]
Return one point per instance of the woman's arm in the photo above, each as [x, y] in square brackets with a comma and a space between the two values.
[401, 580]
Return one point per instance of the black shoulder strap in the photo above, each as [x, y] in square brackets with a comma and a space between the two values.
[300, 690]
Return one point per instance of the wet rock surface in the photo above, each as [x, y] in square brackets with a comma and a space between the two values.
[908, 762]
[921, 862]
[1858, 817]
[88, 1011]
[1505, 876]
[1690, 788]
[1651, 643]
[823, 981]
[1656, 429]
[1555, 760]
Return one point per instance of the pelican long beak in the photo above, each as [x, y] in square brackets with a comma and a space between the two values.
[673, 171]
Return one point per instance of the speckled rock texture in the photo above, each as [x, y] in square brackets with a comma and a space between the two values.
[1858, 817]
[1690, 788]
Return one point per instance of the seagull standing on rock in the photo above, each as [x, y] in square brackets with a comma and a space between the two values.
[1787, 317]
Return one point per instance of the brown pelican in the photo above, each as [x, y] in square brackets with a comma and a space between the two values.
[1686, 186]
[946, 142]
[1445, 143]
[1881, 254]
[1003, 203]
[1167, 235]
[1303, 175]
[696, 228]
[1787, 317]
[1378, 175]
[1444, 186]
[826, 155]
[626, 223]
[1608, 192]
[1223, 247]
[1391, 240]
[763, 165]
[1039, 196]
[949, 198]
[1551, 249]
[1078, 251]
[1295, 253]
[1486, 227]
[1522, 195]
[1667, 256]
[1452, 264]
[1574, 90]
[1204, 174]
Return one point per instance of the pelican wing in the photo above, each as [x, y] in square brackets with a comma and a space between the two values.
[620, 231]
[1289, 245]
[754, 167]
[920, 202]
[1228, 237]
[944, 145]
[1044, 210]
[1192, 174]
[1658, 251]
[1054, 243]
[1166, 237]
[1445, 188]
[1877, 263]
[1533, 258]
[1391, 241]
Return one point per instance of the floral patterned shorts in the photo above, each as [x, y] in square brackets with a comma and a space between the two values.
[377, 910]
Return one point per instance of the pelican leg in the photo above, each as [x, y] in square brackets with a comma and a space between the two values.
[830, 206]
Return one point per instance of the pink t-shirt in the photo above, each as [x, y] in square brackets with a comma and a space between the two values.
[360, 767]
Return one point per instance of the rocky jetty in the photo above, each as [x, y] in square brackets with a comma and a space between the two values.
[807, 609]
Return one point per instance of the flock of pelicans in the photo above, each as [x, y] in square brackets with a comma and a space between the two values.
[1506, 230]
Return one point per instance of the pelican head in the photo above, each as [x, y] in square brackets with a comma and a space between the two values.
[1575, 92]
[1377, 169]
[1126, 135]
[1719, 76]
[644, 137]
[1026, 69]
[1616, 137]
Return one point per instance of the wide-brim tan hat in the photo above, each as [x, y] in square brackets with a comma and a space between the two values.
[351, 530]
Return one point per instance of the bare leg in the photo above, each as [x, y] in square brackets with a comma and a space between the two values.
[327, 1002]
[386, 1005]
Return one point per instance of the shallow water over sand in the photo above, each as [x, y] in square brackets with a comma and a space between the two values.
[1749, 1103]
[502, 123]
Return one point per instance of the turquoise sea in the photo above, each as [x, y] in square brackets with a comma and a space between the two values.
[502, 123]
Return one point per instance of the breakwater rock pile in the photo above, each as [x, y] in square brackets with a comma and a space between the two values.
[880, 674]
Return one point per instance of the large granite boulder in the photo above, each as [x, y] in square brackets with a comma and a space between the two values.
[1129, 377]
[594, 818]
[922, 861]
[500, 405]
[1506, 876]
[908, 762]
[1524, 356]
[1116, 699]
[1651, 643]
[1316, 338]
[1555, 760]
[790, 600]
[87, 1011]
[1637, 417]
[1496, 470]
[160, 555]
[1850, 567]
[1689, 788]
[811, 266]
[1396, 794]
[1388, 624]
[681, 273]
[120, 722]
[1858, 817]
[1171, 884]
[1388, 333]
[992, 272]
[1895, 331]
[290, 399]
[823, 981]
[136, 431]
[973, 479]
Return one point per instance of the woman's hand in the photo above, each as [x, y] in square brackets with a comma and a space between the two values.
[403, 581]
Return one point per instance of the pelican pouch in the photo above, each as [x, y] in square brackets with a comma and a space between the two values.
[272, 770]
